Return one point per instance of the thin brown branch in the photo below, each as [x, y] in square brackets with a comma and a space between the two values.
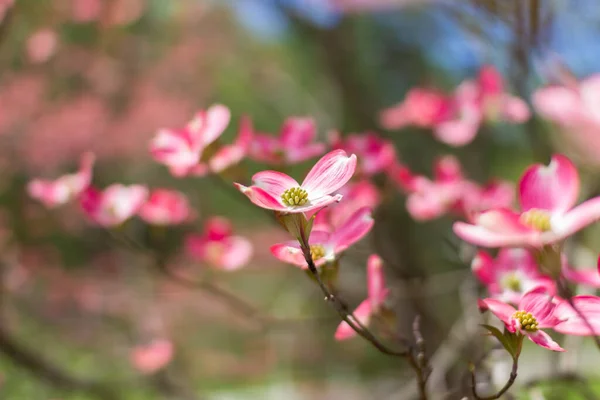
[508, 385]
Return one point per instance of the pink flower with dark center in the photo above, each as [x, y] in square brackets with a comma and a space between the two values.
[295, 143]
[535, 312]
[218, 246]
[374, 153]
[113, 206]
[65, 188]
[181, 149]
[547, 195]
[510, 275]
[356, 196]
[279, 192]
[165, 207]
[152, 357]
[376, 295]
[326, 246]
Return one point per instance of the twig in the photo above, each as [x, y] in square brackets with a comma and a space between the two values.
[419, 361]
[509, 383]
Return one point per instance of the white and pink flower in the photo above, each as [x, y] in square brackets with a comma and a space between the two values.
[279, 192]
[374, 153]
[218, 246]
[64, 189]
[166, 207]
[547, 195]
[114, 205]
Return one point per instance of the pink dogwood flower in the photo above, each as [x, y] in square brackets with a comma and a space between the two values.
[547, 195]
[588, 276]
[152, 357]
[296, 143]
[374, 153]
[114, 205]
[572, 320]
[510, 275]
[534, 312]
[65, 188]
[165, 207]
[279, 192]
[326, 246]
[218, 246]
[230, 154]
[376, 295]
[181, 149]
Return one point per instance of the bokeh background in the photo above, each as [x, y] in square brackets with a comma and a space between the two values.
[105, 75]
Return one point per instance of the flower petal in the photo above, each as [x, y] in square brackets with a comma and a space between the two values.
[540, 305]
[208, 125]
[329, 174]
[483, 267]
[571, 322]
[542, 339]
[559, 104]
[554, 187]
[500, 309]
[274, 182]
[375, 281]
[587, 277]
[362, 313]
[565, 225]
[261, 198]
[482, 236]
[238, 252]
[354, 229]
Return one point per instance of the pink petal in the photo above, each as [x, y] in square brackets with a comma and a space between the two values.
[540, 305]
[574, 220]
[362, 314]
[298, 132]
[238, 251]
[542, 339]
[554, 187]
[226, 157]
[483, 267]
[559, 104]
[261, 198]
[354, 229]
[515, 109]
[456, 133]
[274, 182]
[500, 309]
[289, 253]
[571, 322]
[447, 169]
[329, 174]
[375, 281]
[481, 236]
[395, 117]
[587, 277]
[209, 125]
[151, 358]
[296, 155]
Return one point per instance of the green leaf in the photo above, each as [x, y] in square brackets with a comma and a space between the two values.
[510, 341]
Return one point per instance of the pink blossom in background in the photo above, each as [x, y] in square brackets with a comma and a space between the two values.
[124, 12]
[571, 321]
[230, 154]
[181, 149]
[85, 10]
[356, 196]
[218, 246]
[279, 192]
[534, 312]
[4, 7]
[65, 188]
[295, 143]
[588, 277]
[574, 109]
[494, 194]
[377, 293]
[510, 275]
[547, 195]
[166, 207]
[152, 357]
[374, 153]
[455, 119]
[326, 246]
[114, 205]
[41, 45]
[20, 98]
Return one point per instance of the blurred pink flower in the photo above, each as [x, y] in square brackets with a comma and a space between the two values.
[510, 275]
[65, 188]
[124, 12]
[218, 246]
[571, 321]
[85, 10]
[588, 277]
[181, 149]
[165, 207]
[326, 246]
[294, 144]
[152, 357]
[279, 192]
[377, 293]
[535, 311]
[547, 195]
[356, 196]
[41, 45]
[374, 153]
[113, 206]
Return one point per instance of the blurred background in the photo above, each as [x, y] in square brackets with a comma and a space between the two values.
[104, 75]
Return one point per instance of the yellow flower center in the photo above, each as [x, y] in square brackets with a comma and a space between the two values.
[512, 282]
[317, 251]
[294, 197]
[526, 320]
[536, 219]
